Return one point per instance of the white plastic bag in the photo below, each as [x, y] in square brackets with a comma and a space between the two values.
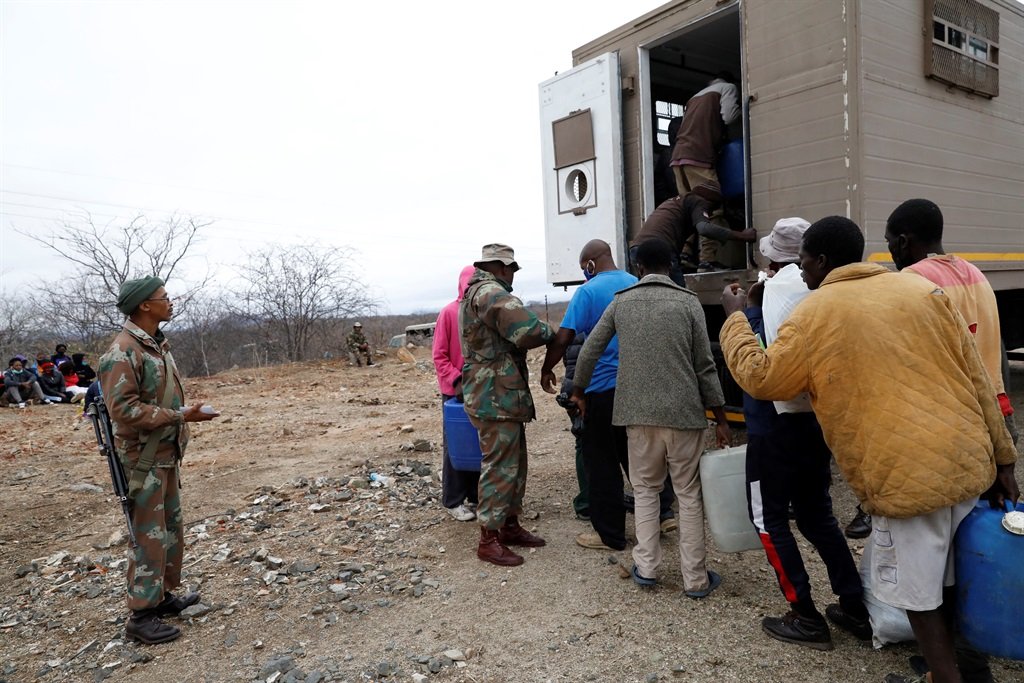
[888, 624]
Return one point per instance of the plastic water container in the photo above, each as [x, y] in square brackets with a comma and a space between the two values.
[463, 441]
[730, 169]
[990, 582]
[723, 483]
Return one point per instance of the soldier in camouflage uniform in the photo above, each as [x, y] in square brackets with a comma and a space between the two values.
[497, 330]
[357, 346]
[134, 375]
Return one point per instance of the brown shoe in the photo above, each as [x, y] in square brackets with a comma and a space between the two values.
[590, 539]
[514, 534]
[491, 550]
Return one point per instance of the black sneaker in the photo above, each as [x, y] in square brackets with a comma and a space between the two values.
[171, 606]
[145, 627]
[860, 527]
[858, 628]
[793, 628]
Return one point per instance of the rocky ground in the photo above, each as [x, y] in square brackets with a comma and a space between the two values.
[312, 572]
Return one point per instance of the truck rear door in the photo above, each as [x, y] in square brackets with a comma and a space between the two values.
[581, 155]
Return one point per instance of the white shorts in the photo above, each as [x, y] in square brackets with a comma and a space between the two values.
[912, 558]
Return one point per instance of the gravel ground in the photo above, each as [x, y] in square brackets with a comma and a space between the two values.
[309, 573]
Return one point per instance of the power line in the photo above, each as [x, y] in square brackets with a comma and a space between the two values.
[136, 181]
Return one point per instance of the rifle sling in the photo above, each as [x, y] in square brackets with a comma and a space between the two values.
[147, 457]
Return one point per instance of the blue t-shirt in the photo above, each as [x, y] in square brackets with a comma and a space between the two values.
[585, 309]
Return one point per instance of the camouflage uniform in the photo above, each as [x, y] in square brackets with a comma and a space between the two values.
[131, 374]
[496, 331]
[357, 346]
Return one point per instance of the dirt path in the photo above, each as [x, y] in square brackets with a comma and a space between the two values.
[379, 584]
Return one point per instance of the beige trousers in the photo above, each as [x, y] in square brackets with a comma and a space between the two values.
[652, 452]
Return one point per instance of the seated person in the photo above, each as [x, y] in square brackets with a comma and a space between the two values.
[67, 368]
[85, 373]
[52, 383]
[61, 355]
[20, 385]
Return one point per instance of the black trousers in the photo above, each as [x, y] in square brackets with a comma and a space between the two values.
[457, 486]
[605, 458]
[792, 465]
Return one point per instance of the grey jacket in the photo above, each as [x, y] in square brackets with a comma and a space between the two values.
[667, 374]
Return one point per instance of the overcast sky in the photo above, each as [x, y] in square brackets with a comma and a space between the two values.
[406, 130]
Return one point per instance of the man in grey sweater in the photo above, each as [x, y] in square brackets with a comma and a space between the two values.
[666, 380]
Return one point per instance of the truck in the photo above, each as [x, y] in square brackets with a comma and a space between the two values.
[849, 107]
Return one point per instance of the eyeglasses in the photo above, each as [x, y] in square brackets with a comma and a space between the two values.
[162, 298]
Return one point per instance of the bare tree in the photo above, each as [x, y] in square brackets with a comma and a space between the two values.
[295, 292]
[105, 256]
[17, 325]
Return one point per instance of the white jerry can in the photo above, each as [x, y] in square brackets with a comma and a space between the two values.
[723, 484]
[581, 159]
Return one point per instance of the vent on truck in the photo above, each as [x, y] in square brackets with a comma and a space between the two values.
[962, 47]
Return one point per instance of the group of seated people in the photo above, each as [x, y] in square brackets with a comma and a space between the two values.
[50, 379]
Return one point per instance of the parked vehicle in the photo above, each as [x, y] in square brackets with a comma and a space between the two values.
[848, 108]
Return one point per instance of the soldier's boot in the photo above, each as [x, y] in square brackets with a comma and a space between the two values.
[145, 626]
[491, 550]
[172, 605]
[514, 534]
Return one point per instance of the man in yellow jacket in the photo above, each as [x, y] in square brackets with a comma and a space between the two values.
[906, 407]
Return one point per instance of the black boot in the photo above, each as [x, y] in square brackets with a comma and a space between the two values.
[860, 526]
[172, 606]
[145, 627]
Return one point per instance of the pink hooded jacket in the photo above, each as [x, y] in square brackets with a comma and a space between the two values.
[448, 340]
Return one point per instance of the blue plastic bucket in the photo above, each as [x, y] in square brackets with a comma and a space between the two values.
[990, 582]
[463, 441]
[730, 169]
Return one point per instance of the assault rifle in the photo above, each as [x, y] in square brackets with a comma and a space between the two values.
[97, 412]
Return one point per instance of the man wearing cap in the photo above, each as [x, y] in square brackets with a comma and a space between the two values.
[358, 346]
[789, 464]
[497, 330]
[144, 396]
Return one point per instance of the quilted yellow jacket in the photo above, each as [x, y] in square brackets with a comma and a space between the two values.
[896, 382]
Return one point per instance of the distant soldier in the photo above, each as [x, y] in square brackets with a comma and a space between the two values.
[497, 330]
[143, 394]
[358, 347]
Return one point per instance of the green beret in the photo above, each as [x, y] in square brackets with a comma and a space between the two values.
[134, 292]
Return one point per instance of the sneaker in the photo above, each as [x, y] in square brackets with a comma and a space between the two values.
[461, 513]
[860, 527]
[641, 581]
[592, 540]
[714, 581]
[799, 630]
[669, 524]
[584, 516]
[78, 398]
[858, 628]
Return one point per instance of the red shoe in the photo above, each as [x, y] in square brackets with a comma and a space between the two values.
[513, 534]
[491, 550]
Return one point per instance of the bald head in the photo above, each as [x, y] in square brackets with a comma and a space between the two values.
[596, 257]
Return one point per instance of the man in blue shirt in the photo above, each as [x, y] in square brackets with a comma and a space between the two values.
[604, 445]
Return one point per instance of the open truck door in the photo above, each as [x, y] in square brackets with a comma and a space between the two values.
[581, 155]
